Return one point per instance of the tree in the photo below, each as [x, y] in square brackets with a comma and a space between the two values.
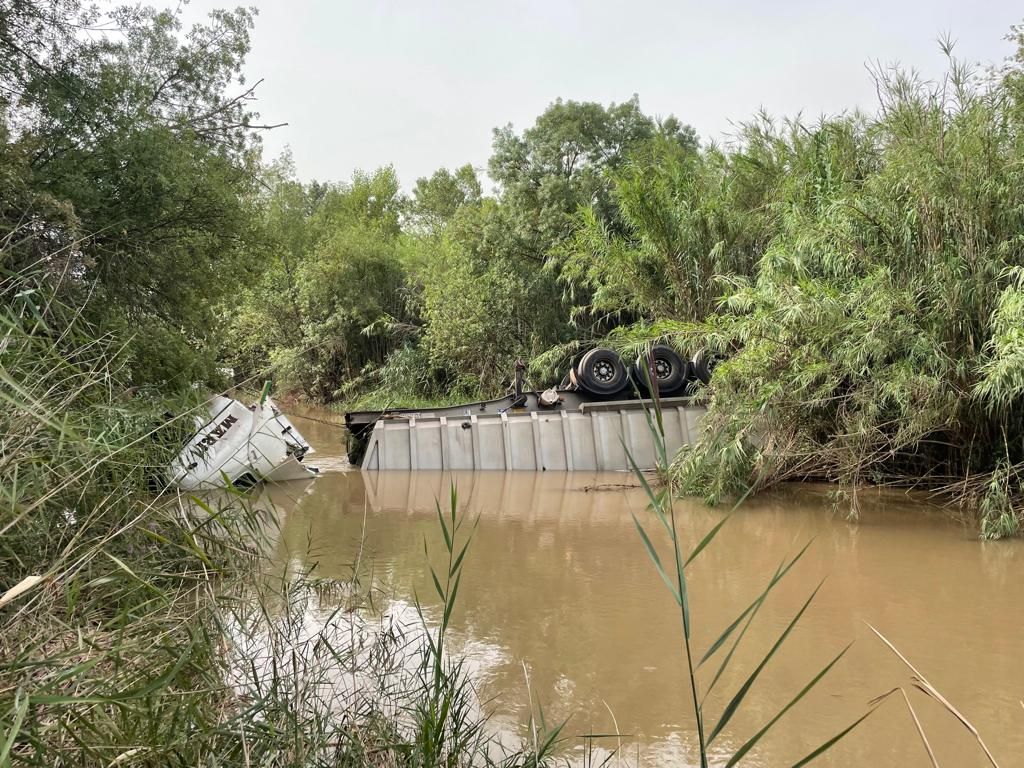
[436, 200]
[875, 340]
[688, 223]
[330, 270]
[137, 137]
[561, 163]
[483, 308]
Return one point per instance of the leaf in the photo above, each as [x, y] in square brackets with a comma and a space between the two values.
[752, 610]
[437, 584]
[737, 699]
[444, 527]
[640, 475]
[752, 741]
[705, 541]
[78, 669]
[450, 604]
[754, 606]
[20, 588]
[652, 387]
[123, 566]
[458, 560]
[21, 701]
[453, 498]
[653, 555]
[681, 579]
[832, 742]
[922, 684]
[920, 730]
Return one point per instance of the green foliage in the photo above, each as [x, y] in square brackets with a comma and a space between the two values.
[121, 571]
[150, 635]
[1001, 384]
[75, 434]
[876, 339]
[1000, 502]
[330, 269]
[482, 308]
[685, 221]
[860, 275]
[130, 161]
[560, 163]
[347, 275]
[437, 199]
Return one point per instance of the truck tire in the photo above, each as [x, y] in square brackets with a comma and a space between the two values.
[670, 370]
[703, 365]
[601, 372]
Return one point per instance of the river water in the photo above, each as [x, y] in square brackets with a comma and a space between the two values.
[560, 601]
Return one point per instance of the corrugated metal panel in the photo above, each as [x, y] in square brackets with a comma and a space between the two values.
[590, 438]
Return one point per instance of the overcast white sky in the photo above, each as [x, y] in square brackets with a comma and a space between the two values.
[421, 84]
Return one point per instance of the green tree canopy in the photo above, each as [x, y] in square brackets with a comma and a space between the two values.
[141, 137]
[559, 164]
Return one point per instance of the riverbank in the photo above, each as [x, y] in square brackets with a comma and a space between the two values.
[172, 637]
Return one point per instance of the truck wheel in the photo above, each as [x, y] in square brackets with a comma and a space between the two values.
[703, 366]
[601, 372]
[670, 370]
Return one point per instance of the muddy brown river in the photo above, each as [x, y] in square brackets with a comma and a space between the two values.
[559, 599]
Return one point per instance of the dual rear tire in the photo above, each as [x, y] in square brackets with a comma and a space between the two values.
[602, 373]
[663, 366]
[702, 366]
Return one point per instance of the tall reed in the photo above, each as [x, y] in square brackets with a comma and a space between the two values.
[674, 576]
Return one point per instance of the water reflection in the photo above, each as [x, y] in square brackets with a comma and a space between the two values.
[557, 582]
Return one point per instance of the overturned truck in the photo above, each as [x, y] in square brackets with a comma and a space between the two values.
[588, 422]
[239, 446]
